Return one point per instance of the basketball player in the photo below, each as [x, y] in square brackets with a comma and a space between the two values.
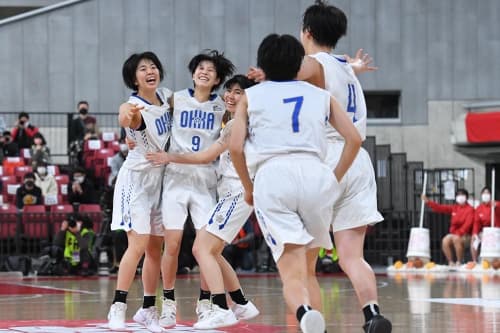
[197, 122]
[322, 26]
[294, 190]
[226, 219]
[146, 119]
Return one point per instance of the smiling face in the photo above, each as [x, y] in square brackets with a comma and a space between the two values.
[205, 75]
[231, 97]
[147, 75]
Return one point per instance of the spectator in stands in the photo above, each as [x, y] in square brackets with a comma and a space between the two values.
[28, 193]
[76, 238]
[47, 183]
[40, 153]
[462, 218]
[82, 189]
[482, 219]
[77, 126]
[8, 147]
[116, 162]
[24, 132]
[240, 253]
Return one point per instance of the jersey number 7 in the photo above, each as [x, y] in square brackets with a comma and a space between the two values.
[296, 110]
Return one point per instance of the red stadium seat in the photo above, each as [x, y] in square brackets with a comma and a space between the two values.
[109, 136]
[59, 213]
[115, 145]
[8, 216]
[35, 222]
[62, 184]
[20, 171]
[94, 212]
[10, 163]
[9, 188]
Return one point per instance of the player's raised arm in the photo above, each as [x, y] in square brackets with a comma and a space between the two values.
[341, 122]
[236, 148]
[129, 115]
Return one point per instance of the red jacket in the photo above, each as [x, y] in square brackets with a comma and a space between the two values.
[482, 217]
[462, 216]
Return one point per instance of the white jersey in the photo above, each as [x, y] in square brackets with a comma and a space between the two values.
[285, 118]
[343, 84]
[195, 125]
[226, 167]
[156, 133]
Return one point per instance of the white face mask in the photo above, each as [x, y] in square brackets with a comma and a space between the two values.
[461, 199]
[42, 171]
[79, 179]
[486, 197]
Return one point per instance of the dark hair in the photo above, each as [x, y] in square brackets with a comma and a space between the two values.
[223, 66]
[23, 114]
[240, 80]
[130, 67]
[326, 23]
[86, 222]
[29, 175]
[486, 188]
[82, 102]
[280, 57]
[7, 133]
[80, 169]
[39, 135]
[463, 191]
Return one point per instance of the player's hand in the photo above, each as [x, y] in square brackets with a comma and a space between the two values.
[256, 74]
[130, 143]
[361, 62]
[249, 197]
[424, 198]
[133, 113]
[158, 158]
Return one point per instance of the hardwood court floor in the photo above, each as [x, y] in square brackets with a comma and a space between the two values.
[415, 303]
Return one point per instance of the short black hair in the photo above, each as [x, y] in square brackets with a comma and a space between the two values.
[464, 192]
[23, 114]
[7, 133]
[30, 175]
[80, 169]
[326, 23]
[486, 188]
[280, 57]
[130, 67]
[240, 80]
[82, 102]
[223, 66]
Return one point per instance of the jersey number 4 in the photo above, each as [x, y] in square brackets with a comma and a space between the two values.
[296, 110]
[351, 102]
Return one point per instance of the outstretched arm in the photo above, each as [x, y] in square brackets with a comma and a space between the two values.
[361, 63]
[130, 115]
[236, 148]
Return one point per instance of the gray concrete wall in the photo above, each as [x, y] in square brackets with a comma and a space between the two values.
[428, 49]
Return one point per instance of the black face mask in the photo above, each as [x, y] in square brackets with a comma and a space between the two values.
[29, 183]
[21, 122]
[83, 111]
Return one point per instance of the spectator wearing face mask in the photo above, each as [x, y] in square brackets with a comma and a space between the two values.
[82, 189]
[40, 153]
[47, 183]
[24, 132]
[462, 219]
[482, 219]
[116, 162]
[78, 124]
[28, 193]
[9, 148]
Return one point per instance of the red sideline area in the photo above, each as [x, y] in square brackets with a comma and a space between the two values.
[80, 326]
[483, 127]
[17, 289]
